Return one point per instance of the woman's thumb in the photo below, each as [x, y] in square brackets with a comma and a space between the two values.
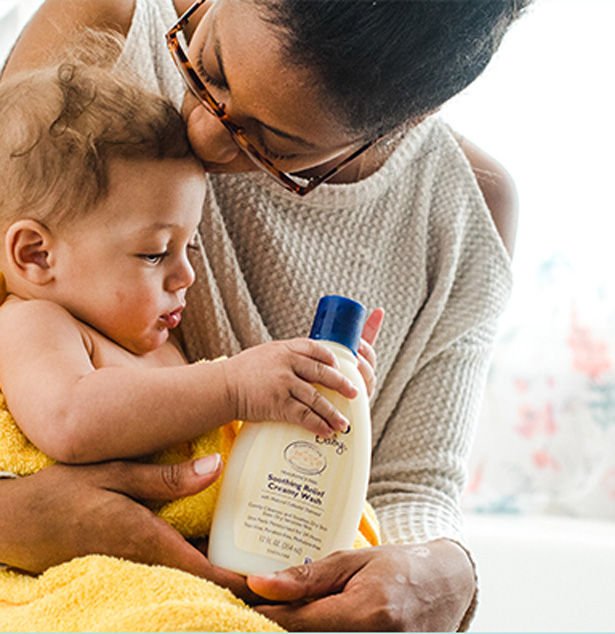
[164, 481]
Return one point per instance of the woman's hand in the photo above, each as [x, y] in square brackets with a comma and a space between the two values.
[427, 587]
[64, 512]
[367, 354]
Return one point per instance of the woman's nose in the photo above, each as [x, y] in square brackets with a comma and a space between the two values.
[209, 139]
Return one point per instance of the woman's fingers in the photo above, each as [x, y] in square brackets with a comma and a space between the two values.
[321, 578]
[367, 355]
[369, 376]
[372, 326]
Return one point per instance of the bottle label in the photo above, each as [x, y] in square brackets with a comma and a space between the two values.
[288, 511]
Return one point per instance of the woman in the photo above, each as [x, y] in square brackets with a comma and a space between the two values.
[411, 218]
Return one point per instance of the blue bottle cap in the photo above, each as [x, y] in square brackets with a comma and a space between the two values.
[339, 319]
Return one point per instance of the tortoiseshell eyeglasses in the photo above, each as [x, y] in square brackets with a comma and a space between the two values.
[218, 110]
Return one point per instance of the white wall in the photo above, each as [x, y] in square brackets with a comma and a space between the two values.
[545, 109]
[13, 15]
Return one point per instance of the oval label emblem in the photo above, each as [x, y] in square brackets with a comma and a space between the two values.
[305, 458]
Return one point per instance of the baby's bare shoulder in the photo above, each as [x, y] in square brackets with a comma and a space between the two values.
[16, 307]
[39, 317]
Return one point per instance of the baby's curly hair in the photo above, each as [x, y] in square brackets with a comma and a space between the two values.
[61, 125]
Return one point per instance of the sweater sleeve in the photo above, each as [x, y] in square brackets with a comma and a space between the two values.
[426, 413]
[419, 465]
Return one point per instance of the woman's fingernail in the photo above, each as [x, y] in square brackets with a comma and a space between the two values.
[208, 464]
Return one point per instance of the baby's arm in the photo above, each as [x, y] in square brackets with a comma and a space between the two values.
[76, 413]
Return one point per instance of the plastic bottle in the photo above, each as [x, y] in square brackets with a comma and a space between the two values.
[289, 496]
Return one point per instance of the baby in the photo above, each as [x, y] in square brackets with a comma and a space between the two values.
[100, 203]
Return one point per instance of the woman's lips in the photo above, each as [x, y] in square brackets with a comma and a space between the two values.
[172, 319]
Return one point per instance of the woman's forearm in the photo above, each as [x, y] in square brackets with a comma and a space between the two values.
[63, 512]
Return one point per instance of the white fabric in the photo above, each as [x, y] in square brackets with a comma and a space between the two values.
[415, 237]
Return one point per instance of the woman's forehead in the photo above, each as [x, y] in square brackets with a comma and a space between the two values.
[262, 79]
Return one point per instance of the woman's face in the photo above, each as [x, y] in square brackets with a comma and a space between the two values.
[239, 58]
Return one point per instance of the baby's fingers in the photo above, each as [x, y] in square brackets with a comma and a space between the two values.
[315, 372]
[314, 412]
[313, 350]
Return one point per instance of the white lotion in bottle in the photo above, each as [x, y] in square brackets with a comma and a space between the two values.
[289, 496]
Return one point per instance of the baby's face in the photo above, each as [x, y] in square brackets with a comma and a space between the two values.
[123, 268]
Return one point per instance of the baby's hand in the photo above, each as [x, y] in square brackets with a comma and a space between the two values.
[274, 382]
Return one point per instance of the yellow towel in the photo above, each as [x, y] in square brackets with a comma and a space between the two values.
[98, 593]
[105, 594]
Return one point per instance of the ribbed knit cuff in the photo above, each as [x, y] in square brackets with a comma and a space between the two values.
[420, 520]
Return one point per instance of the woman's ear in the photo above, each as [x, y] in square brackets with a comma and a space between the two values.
[28, 246]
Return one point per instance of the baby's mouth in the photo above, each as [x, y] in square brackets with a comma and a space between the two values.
[171, 320]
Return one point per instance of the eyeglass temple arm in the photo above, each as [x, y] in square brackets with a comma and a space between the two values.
[183, 20]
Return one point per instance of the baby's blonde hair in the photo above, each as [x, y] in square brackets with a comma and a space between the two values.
[61, 125]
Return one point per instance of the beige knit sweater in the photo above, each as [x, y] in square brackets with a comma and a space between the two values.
[415, 238]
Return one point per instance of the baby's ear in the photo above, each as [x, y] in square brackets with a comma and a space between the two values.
[28, 246]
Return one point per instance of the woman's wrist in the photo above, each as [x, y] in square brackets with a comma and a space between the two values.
[460, 577]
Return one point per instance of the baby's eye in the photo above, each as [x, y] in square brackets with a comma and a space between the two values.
[153, 258]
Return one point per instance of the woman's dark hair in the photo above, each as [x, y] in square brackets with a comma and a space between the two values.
[385, 62]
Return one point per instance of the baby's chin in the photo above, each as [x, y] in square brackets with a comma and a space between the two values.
[140, 346]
